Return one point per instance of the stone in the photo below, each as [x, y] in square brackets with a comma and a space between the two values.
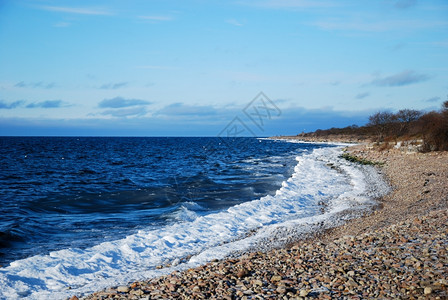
[137, 292]
[281, 290]
[123, 289]
[242, 273]
[258, 283]
[352, 283]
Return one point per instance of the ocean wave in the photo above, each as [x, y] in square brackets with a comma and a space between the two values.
[186, 212]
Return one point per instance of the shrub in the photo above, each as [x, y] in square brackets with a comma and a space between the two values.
[434, 128]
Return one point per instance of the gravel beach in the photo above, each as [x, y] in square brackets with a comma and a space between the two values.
[400, 251]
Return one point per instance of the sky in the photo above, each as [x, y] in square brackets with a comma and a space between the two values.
[216, 68]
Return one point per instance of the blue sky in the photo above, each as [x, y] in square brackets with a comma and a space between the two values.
[190, 68]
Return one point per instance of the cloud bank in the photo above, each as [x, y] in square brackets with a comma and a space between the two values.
[180, 119]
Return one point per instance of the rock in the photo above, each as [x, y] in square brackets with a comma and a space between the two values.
[303, 293]
[258, 283]
[352, 283]
[74, 298]
[281, 290]
[123, 289]
[276, 278]
[427, 290]
[242, 273]
[137, 292]
[248, 292]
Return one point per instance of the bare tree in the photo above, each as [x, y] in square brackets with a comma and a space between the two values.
[445, 108]
[382, 121]
[406, 117]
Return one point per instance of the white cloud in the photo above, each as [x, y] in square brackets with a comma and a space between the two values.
[38, 84]
[376, 26]
[46, 104]
[62, 24]
[120, 102]
[5, 105]
[402, 4]
[234, 22]
[77, 10]
[157, 18]
[285, 4]
[125, 112]
[443, 44]
[153, 67]
[400, 79]
[113, 86]
[362, 95]
[432, 99]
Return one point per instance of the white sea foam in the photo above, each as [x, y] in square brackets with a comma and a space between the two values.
[321, 187]
[187, 211]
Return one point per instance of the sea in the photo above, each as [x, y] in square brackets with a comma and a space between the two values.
[79, 214]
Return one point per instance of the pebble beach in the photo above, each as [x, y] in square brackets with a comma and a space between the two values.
[397, 252]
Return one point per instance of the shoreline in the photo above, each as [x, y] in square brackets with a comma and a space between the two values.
[352, 260]
[347, 139]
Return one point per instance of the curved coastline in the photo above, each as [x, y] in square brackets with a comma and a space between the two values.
[396, 251]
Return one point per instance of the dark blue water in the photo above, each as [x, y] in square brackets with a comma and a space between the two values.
[66, 192]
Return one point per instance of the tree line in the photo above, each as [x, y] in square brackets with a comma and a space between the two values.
[406, 124]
